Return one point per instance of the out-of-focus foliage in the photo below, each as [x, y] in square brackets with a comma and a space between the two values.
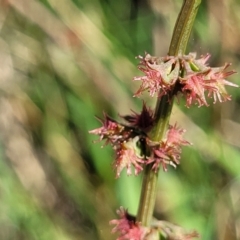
[62, 62]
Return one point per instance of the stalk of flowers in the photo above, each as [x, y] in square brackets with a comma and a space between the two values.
[133, 146]
[134, 149]
[131, 140]
[135, 142]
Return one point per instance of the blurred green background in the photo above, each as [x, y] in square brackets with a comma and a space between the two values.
[63, 62]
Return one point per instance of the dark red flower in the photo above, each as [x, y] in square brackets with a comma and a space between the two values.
[143, 121]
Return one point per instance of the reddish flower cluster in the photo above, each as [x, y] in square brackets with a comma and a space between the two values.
[129, 229]
[127, 140]
[127, 226]
[159, 74]
[111, 130]
[167, 152]
[185, 74]
[133, 147]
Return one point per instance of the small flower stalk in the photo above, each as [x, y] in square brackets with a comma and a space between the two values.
[140, 145]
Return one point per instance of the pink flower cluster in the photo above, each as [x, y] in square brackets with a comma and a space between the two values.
[184, 74]
[168, 151]
[134, 148]
[126, 141]
[129, 229]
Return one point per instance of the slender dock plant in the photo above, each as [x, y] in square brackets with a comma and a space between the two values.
[146, 142]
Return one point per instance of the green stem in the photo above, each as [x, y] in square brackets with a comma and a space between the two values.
[183, 27]
[163, 109]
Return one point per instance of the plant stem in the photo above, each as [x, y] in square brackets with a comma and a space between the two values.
[183, 27]
[163, 109]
